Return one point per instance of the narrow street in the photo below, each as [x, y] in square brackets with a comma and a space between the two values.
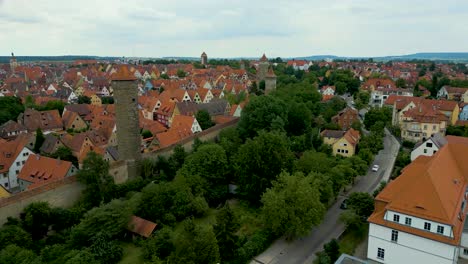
[303, 250]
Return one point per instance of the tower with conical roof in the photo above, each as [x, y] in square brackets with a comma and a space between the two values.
[270, 81]
[262, 68]
[126, 109]
[204, 59]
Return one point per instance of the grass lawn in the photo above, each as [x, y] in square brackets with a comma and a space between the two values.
[352, 238]
[131, 254]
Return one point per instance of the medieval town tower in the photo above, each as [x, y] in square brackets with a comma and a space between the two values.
[204, 59]
[126, 109]
[13, 63]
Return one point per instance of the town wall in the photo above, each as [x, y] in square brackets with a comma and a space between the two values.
[61, 193]
[67, 191]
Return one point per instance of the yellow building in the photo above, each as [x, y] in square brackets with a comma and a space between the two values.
[3, 193]
[342, 142]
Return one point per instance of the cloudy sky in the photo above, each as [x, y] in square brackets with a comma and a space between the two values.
[232, 28]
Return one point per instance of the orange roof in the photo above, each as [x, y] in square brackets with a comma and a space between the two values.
[141, 226]
[9, 150]
[172, 137]
[431, 188]
[327, 97]
[123, 74]
[39, 170]
[263, 58]
[182, 122]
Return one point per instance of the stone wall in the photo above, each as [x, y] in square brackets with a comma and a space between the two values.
[65, 192]
[62, 193]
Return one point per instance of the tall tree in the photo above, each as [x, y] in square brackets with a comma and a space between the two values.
[292, 206]
[259, 114]
[195, 244]
[39, 140]
[99, 184]
[36, 219]
[204, 119]
[225, 230]
[10, 108]
[259, 161]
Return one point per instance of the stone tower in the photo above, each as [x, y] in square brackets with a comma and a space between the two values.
[126, 108]
[13, 63]
[270, 81]
[242, 64]
[204, 59]
[262, 68]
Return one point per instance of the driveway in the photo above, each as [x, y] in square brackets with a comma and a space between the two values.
[303, 250]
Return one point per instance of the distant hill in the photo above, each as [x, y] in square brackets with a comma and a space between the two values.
[435, 56]
[6, 59]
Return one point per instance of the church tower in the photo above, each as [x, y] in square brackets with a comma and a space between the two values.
[204, 59]
[126, 109]
[13, 63]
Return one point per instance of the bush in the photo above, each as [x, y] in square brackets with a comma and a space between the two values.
[408, 144]
[255, 245]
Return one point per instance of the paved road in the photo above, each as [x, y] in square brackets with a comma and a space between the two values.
[303, 250]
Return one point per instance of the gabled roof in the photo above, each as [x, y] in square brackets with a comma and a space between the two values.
[264, 58]
[172, 136]
[431, 188]
[39, 170]
[182, 122]
[49, 144]
[332, 133]
[141, 226]
[9, 150]
[187, 108]
[46, 120]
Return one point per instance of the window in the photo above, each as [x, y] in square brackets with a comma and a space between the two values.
[23, 162]
[17, 163]
[429, 144]
[465, 251]
[346, 151]
[440, 229]
[425, 127]
[380, 253]
[6, 184]
[396, 218]
[427, 226]
[17, 172]
[425, 151]
[434, 127]
[394, 236]
[408, 221]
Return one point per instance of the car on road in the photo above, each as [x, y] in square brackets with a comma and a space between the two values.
[344, 204]
[375, 167]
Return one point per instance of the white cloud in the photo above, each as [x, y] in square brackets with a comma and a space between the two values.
[232, 28]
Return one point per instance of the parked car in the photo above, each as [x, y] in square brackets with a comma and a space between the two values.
[344, 204]
[375, 167]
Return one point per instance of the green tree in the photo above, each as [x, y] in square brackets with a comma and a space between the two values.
[362, 204]
[107, 100]
[204, 119]
[110, 220]
[374, 115]
[99, 184]
[208, 166]
[36, 218]
[53, 105]
[105, 250]
[10, 108]
[164, 76]
[332, 249]
[292, 205]
[146, 134]
[159, 244]
[39, 140]
[82, 99]
[299, 119]
[65, 153]
[259, 161]
[225, 229]
[181, 73]
[14, 254]
[401, 83]
[259, 114]
[195, 244]
[14, 235]
[340, 87]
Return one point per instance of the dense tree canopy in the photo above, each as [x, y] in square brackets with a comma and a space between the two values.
[292, 205]
[204, 119]
[259, 161]
[10, 108]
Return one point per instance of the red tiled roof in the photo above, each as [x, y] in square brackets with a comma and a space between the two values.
[123, 74]
[39, 170]
[141, 226]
